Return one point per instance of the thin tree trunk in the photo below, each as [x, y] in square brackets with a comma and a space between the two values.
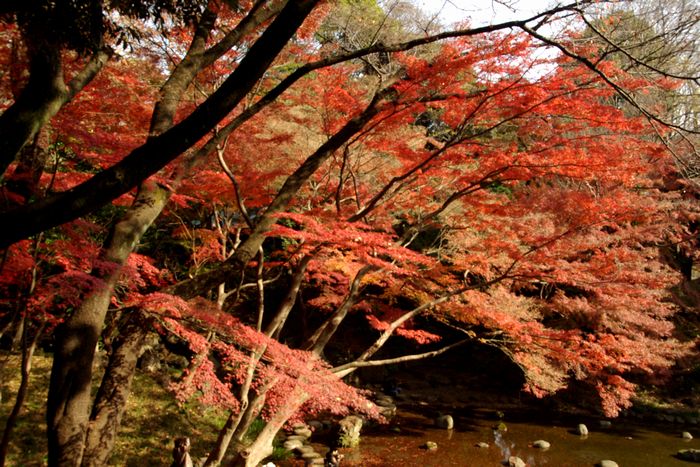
[274, 327]
[237, 423]
[318, 341]
[27, 354]
[262, 447]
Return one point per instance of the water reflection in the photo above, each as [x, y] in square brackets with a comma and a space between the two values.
[502, 444]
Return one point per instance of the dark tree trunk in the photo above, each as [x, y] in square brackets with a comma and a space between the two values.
[43, 96]
[69, 401]
[40, 99]
[160, 150]
[110, 401]
[69, 394]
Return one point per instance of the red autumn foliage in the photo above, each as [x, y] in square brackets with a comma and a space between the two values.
[509, 183]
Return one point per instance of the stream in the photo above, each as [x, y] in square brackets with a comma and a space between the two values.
[399, 443]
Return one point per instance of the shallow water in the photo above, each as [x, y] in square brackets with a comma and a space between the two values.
[629, 445]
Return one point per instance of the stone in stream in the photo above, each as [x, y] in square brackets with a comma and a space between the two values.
[311, 455]
[690, 455]
[349, 431]
[514, 461]
[607, 463]
[686, 435]
[384, 401]
[430, 446]
[582, 429]
[541, 444]
[605, 423]
[306, 449]
[301, 430]
[445, 421]
[333, 458]
[292, 444]
[500, 426]
[482, 445]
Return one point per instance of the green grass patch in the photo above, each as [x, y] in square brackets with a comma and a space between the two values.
[151, 422]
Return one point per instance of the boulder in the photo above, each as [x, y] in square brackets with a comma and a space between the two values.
[607, 463]
[445, 421]
[686, 435]
[383, 400]
[514, 461]
[311, 455]
[301, 430]
[482, 445]
[316, 425]
[430, 446]
[541, 444]
[605, 423]
[349, 430]
[582, 429]
[292, 444]
[690, 455]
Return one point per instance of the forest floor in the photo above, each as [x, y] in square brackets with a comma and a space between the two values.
[152, 420]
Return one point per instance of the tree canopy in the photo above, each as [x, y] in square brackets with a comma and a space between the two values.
[242, 179]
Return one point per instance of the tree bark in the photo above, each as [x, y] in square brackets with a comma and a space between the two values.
[261, 448]
[159, 150]
[69, 401]
[69, 398]
[110, 401]
[318, 341]
[42, 97]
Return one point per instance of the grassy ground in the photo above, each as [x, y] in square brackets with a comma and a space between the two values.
[151, 422]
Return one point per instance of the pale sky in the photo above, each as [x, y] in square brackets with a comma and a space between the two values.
[482, 12]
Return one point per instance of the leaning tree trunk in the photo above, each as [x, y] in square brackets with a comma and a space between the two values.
[71, 377]
[262, 447]
[69, 401]
[69, 392]
[42, 97]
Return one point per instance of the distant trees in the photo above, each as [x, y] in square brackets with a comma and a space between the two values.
[284, 149]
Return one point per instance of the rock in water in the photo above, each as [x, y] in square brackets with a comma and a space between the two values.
[333, 458]
[607, 463]
[541, 444]
[303, 431]
[690, 455]
[686, 435]
[582, 429]
[349, 431]
[445, 421]
[430, 446]
[514, 461]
